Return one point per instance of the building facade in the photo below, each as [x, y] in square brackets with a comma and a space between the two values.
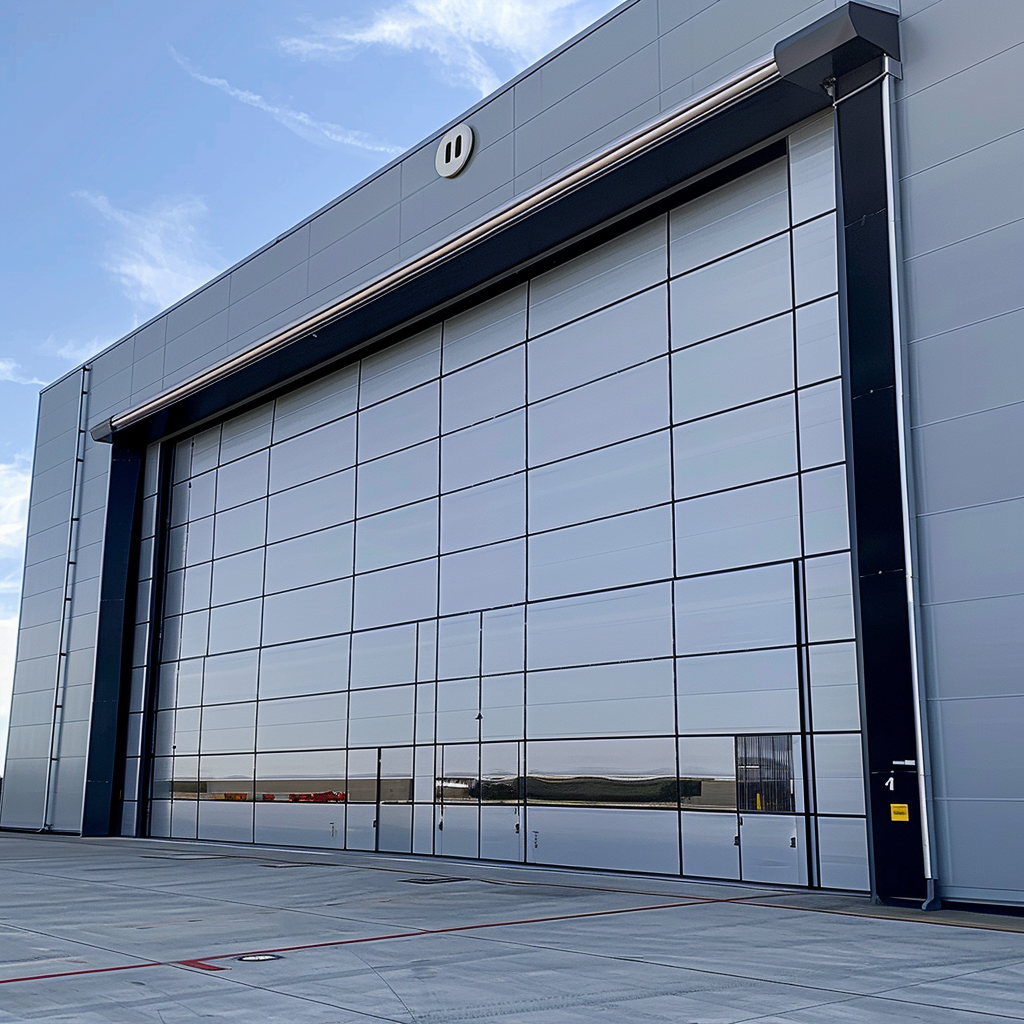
[643, 497]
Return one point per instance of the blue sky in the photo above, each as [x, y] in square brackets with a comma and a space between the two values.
[150, 144]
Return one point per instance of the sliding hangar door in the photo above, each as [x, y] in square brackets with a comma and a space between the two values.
[564, 578]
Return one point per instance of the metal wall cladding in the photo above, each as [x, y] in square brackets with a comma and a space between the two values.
[961, 228]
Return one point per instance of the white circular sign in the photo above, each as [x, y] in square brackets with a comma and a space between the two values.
[453, 150]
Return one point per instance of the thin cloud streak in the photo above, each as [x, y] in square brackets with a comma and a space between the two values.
[158, 256]
[458, 34]
[297, 121]
[11, 371]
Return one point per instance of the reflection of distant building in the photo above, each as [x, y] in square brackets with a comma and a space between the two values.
[636, 498]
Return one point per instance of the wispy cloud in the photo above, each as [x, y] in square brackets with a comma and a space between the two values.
[463, 36]
[11, 371]
[302, 124]
[158, 255]
[15, 479]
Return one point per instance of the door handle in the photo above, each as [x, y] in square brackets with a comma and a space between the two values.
[736, 840]
[792, 843]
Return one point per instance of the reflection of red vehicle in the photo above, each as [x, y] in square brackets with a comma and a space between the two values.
[328, 797]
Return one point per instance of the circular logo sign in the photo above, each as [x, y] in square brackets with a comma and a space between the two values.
[453, 150]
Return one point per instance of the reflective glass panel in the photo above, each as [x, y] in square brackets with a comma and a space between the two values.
[485, 329]
[398, 479]
[598, 771]
[753, 691]
[634, 548]
[384, 657]
[238, 529]
[624, 405]
[381, 717]
[483, 514]
[311, 666]
[733, 448]
[238, 577]
[310, 612]
[839, 773]
[821, 425]
[296, 723]
[835, 693]
[235, 626]
[752, 285]
[242, 481]
[829, 598]
[707, 773]
[315, 453]
[320, 402]
[483, 390]
[458, 646]
[627, 264]
[231, 677]
[736, 610]
[228, 727]
[313, 506]
[484, 452]
[814, 259]
[401, 535]
[826, 518]
[618, 625]
[399, 422]
[733, 370]
[626, 476]
[483, 577]
[760, 523]
[400, 367]
[622, 335]
[817, 341]
[311, 558]
[631, 698]
[401, 594]
[731, 217]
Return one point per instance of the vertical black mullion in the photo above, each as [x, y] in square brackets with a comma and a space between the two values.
[114, 641]
[876, 511]
[156, 629]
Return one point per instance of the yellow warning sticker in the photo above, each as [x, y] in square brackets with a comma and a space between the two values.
[899, 812]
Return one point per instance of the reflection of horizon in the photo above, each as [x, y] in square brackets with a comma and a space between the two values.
[653, 790]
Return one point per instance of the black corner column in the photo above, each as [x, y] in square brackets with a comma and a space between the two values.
[874, 457]
[845, 53]
[105, 762]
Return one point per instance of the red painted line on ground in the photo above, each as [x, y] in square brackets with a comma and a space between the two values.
[200, 965]
[71, 974]
[203, 963]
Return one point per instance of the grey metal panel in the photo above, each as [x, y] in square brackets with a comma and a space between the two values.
[417, 243]
[40, 608]
[943, 296]
[284, 254]
[66, 810]
[112, 361]
[975, 648]
[961, 112]
[674, 12]
[150, 338]
[113, 393]
[44, 575]
[980, 857]
[608, 45]
[962, 728]
[964, 196]
[589, 144]
[611, 94]
[46, 544]
[973, 552]
[24, 787]
[356, 209]
[968, 370]
[355, 250]
[200, 306]
[263, 303]
[197, 343]
[951, 37]
[970, 460]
